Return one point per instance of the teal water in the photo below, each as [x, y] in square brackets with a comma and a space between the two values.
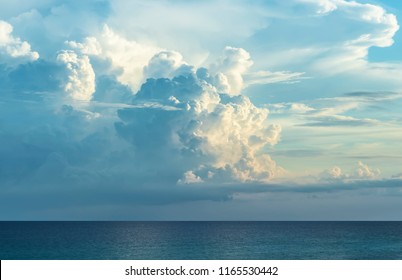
[200, 240]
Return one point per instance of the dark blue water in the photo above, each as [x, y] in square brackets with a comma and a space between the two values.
[200, 240]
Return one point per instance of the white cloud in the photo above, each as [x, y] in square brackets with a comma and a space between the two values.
[234, 63]
[320, 7]
[328, 112]
[80, 83]
[14, 47]
[127, 56]
[189, 178]
[363, 171]
[377, 30]
[166, 64]
[290, 108]
[90, 46]
[219, 136]
[299, 40]
[384, 25]
[268, 77]
[234, 133]
[300, 108]
[335, 172]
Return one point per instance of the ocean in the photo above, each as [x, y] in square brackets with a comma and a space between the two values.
[200, 240]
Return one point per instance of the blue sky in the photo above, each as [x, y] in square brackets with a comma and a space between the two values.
[200, 110]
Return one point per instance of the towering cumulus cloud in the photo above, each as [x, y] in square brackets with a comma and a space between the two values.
[230, 69]
[80, 84]
[166, 64]
[207, 134]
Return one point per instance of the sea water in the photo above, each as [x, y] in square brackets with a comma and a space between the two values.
[200, 240]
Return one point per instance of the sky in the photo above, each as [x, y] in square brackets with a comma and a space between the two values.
[200, 110]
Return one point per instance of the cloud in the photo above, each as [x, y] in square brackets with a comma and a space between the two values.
[167, 64]
[332, 121]
[33, 77]
[303, 44]
[216, 135]
[192, 28]
[376, 29]
[127, 57]
[293, 108]
[126, 103]
[267, 77]
[365, 172]
[10, 9]
[362, 172]
[80, 84]
[332, 112]
[386, 23]
[333, 173]
[39, 137]
[228, 72]
[47, 25]
[297, 153]
[374, 95]
[109, 90]
[131, 62]
[13, 47]
[189, 178]
[90, 46]
[204, 134]
[321, 6]
[233, 64]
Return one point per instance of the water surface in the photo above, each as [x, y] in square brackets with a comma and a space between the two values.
[200, 240]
